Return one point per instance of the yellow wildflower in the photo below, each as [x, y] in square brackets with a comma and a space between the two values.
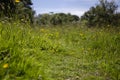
[17, 1]
[81, 34]
[42, 30]
[82, 49]
[5, 65]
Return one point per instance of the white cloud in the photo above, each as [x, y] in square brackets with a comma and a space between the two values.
[118, 9]
[71, 0]
[79, 0]
[78, 11]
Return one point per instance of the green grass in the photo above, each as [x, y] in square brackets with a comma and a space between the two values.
[59, 53]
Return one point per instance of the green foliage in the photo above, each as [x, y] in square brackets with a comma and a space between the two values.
[56, 19]
[7, 7]
[58, 53]
[102, 14]
[17, 10]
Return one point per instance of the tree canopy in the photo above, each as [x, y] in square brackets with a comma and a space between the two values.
[102, 14]
[16, 9]
[56, 19]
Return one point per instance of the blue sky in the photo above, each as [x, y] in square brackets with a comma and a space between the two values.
[77, 7]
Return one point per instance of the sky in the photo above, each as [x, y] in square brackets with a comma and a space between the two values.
[75, 7]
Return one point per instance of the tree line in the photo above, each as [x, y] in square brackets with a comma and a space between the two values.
[56, 19]
[103, 14]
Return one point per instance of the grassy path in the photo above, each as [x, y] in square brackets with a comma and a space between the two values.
[59, 53]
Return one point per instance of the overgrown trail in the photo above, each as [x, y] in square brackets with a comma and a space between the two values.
[59, 53]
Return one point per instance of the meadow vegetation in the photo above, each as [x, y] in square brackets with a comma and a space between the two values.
[59, 46]
[69, 52]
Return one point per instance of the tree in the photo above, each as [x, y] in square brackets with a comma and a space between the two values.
[23, 8]
[7, 7]
[43, 19]
[56, 19]
[102, 14]
[20, 9]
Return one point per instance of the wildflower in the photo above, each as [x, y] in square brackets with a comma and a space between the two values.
[81, 34]
[42, 30]
[5, 65]
[82, 49]
[89, 49]
[17, 1]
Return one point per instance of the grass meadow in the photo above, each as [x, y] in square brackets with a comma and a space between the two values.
[69, 52]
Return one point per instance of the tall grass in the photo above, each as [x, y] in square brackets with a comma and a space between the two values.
[58, 53]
